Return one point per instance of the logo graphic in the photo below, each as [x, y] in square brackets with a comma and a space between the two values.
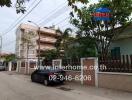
[102, 14]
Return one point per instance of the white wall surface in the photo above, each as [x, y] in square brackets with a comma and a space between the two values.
[125, 46]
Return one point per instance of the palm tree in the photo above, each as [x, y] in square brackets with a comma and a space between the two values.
[62, 41]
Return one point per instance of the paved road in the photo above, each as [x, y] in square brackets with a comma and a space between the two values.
[19, 87]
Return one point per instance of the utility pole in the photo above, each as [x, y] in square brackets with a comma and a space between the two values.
[0, 46]
[39, 47]
[38, 65]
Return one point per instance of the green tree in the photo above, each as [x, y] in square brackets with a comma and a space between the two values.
[62, 41]
[50, 54]
[60, 45]
[103, 32]
[74, 47]
[69, 47]
[5, 3]
[20, 7]
[10, 57]
[81, 47]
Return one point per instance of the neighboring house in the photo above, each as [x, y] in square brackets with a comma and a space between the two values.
[122, 42]
[27, 42]
[3, 56]
[4, 60]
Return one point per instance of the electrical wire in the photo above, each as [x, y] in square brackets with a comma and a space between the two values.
[54, 15]
[50, 13]
[22, 18]
[40, 23]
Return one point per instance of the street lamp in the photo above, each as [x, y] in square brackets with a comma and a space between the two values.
[38, 41]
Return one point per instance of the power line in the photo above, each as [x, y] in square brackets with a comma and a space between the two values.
[60, 22]
[13, 26]
[22, 18]
[54, 15]
[65, 25]
[29, 12]
[9, 42]
[47, 20]
[51, 12]
[13, 41]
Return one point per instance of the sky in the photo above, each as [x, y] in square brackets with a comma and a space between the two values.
[47, 13]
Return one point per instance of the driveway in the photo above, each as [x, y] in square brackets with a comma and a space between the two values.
[19, 87]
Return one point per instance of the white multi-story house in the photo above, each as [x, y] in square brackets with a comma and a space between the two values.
[27, 42]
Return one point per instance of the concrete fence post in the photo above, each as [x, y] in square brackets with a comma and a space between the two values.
[18, 66]
[89, 67]
[57, 63]
[10, 66]
[17, 70]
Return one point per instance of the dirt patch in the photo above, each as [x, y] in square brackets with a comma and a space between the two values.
[10, 74]
[65, 89]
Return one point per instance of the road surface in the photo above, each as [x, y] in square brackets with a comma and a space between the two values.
[19, 87]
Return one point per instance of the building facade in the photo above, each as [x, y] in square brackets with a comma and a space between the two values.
[27, 45]
[121, 44]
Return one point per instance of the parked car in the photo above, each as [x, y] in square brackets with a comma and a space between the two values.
[48, 76]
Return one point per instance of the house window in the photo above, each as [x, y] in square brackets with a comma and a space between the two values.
[115, 53]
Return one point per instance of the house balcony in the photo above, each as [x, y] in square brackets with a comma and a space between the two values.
[46, 43]
[46, 47]
[43, 38]
[47, 40]
[49, 32]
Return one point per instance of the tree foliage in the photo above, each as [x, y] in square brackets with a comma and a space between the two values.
[10, 57]
[75, 47]
[60, 45]
[75, 8]
[5, 3]
[50, 54]
[62, 40]
[103, 31]
[70, 48]
[81, 47]
[20, 5]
